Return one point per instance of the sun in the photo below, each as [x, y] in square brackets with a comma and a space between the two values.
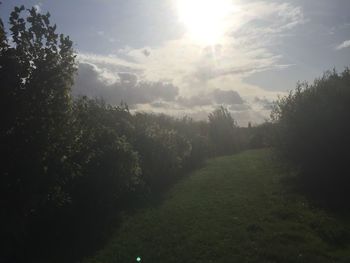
[205, 20]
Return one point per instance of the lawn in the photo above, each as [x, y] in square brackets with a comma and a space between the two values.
[236, 208]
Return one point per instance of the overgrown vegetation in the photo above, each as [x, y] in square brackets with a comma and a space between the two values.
[69, 165]
[312, 131]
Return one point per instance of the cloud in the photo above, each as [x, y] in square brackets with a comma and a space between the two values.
[243, 51]
[265, 103]
[239, 107]
[216, 97]
[126, 88]
[343, 45]
[146, 52]
[159, 97]
[229, 97]
[180, 77]
[194, 101]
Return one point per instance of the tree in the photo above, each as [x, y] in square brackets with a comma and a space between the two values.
[109, 164]
[163, 149]
[36, 75]
[222, 131]
[3, 40]
[313, 133]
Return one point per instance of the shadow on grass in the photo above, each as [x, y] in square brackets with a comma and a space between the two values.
[320, 192]
[72, 236]
[333, 226]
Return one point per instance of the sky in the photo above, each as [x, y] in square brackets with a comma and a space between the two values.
[187, 57]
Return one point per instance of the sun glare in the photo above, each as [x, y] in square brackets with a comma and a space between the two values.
[205, 20]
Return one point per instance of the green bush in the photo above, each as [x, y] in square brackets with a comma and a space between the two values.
[223, 132]
[36, 75]
[163, 150]
[260, 136]
[109, 164]
[313, 132]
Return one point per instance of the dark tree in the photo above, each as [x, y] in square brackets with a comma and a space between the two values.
[222, 131]
[36, 76]
[313, 132]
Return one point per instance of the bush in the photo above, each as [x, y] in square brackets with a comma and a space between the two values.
[260, 136]
[313, 132]
[163, 150]
[36, 75]
[223, 132]
[109, 165]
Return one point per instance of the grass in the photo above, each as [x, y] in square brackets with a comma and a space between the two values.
[234, 209]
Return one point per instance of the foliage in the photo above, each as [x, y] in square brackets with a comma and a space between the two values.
[313, 132]
[3, 39]
[36, 75]
[109, 165]
[163, 150]
[222, 131]
[260, 136]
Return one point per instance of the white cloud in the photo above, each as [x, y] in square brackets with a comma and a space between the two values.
[196, 69]
[343, 45]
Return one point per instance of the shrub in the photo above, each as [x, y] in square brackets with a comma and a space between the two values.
[223, 132]
[109, 164]
[313, 132]
[163, 150]
[36, 75]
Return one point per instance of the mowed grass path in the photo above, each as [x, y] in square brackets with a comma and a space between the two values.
[234, 209]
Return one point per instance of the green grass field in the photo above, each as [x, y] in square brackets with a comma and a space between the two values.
[234, 209]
